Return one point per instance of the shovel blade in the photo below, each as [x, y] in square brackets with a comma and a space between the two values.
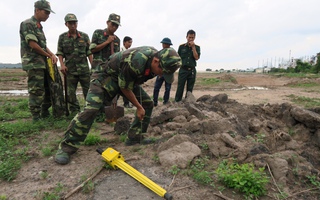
[113, 113]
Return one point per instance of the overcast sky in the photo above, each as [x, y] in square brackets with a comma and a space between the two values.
[232, 34]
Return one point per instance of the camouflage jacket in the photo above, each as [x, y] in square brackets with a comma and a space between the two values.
[186, 54]
[30, 29]
[75, 52]
[99, 36]
[131, 67]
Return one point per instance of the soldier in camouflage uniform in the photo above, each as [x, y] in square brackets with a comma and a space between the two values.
[73, 51]
[103, 41]
[122, 74]
[34, 53]
[103, 44]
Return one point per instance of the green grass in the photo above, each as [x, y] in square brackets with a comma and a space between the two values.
[306, 102]
[208, 81]
[19, 134]
[244, 178]
[305, 85]
[6, 74]
[297, 75]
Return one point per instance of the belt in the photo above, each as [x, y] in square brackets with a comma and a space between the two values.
[187, 68]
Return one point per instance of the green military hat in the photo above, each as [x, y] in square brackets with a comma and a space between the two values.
[114, 18]
[170, 61]
[43, 5]
[70, 18]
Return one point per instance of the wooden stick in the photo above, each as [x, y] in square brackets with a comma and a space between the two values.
[82, 184]
[303, 191]
[222, 196]
[181, 188]
[172, 181]
[275, 183]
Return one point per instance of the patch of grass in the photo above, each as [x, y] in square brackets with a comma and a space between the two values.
[208, 81]
[6, 74]
[299, 75]
[88, 187]
[204, 146]
[44, 174]
[199, 171]
[174, 170]
[243, 178]
[47, 151]
[306, 102]
[304, 85]
[55, 194]
[93, 139]
[16, 136]
[3, 197]
[12, 109]
[314, 180]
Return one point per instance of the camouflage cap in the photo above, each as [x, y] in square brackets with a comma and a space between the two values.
[43, 5]
[70, 18]
[114, 18]
[170, 61]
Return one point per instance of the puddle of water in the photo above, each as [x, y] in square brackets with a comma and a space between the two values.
[252, 88]
[13, 92]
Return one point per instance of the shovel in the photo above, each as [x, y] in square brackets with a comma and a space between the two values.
[113, 112]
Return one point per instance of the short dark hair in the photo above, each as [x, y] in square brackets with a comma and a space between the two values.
[191, 32]
[126, 38]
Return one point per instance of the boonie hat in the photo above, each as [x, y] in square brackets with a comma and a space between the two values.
[70, 18]
[44, 5]
[166, 41]
[170, 61]
[114, 18]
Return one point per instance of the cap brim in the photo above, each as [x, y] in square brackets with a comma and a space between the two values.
[47, 9]
[169, 78]
[115, 22]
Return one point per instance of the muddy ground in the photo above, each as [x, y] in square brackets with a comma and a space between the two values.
[243, 90]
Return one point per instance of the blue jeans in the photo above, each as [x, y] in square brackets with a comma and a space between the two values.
[157, 87]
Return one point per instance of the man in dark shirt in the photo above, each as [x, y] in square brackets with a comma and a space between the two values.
[189, 53]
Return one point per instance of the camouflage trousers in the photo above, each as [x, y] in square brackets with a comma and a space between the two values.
[104, 89]
[39, 93]
[72, 84]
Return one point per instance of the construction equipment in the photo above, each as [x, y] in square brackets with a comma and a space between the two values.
[113, 112]
[116, 160]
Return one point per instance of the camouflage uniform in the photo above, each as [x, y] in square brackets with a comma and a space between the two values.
[99, 36]
[126, 69]
[75, 52]
[35, 66]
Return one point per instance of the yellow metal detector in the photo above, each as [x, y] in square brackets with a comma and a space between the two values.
[116, 160]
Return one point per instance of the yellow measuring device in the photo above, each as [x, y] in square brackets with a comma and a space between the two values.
[116, 160]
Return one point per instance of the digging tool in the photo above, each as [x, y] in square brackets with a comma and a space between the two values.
[113, 112]
[66, 93]
[116, 160]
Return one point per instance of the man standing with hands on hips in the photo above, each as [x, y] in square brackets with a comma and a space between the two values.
[189, 53]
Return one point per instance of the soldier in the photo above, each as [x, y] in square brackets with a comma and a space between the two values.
[189, 53]
[105, 42]
[127, 42]
[34, 53]
[123, 73]
[166, 43]
[73, 51]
